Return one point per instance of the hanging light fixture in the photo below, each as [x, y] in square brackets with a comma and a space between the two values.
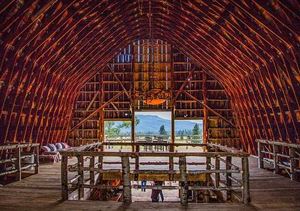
[154, 96]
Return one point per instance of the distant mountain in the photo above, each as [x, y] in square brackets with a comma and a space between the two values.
[152, 123]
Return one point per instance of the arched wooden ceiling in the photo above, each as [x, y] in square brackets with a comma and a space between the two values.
[49, 49]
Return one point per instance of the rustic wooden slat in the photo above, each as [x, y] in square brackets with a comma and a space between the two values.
[126, 180]
[18, 164]
[80, 164]
[183, 181]
[245, 180]
[228, 177]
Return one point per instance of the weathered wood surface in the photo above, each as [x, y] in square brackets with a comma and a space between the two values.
[282, 156]
[43, 192]
[16, 155]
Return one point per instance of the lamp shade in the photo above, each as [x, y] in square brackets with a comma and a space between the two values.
[154, 101]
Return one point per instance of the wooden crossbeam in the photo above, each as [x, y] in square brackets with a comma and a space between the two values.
[209, 108]
[120, 82]
[115, 107]
[184, 84]
[97, 110]
[92, 101]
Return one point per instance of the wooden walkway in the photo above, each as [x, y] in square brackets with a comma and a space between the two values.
[43, 191]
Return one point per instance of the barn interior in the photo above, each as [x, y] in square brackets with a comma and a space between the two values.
[71, 70]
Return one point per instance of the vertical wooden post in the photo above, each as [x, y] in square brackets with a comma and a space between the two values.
[134, 148]
[137, 159]
[292, 163]
[217, 175]
[205, 111]
[80, 165]
[18, 164]
[126, 180]
[92, 172]
[64, 177]
[208, 162]
[171, 146]
[100, 162]
[101, 119]
[171, 149]
[228, 175]
[275, 158]
[36, 159]
[245, 180]
[101, 111]
[183, 181]
[260, 160]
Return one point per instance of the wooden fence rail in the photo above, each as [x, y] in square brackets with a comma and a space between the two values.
[281, 156]
[16, 158]
[87, 171]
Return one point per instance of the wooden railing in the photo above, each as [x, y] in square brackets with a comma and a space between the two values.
[149, 145]
[14, 159]
[280, 156]
[217, 172]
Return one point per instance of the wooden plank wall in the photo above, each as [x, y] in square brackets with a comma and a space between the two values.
[178, 68]
[49, 49]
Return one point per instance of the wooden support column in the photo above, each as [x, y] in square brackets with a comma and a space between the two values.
[101, 111]
[275, 159]
[134, 148]
[228, 177]
[81, 176]
[126, 180]
[217, 175]
[245, 181]
[101, 125]
[18, 164]
[171, 149]
[292, 163]
[64, 177]
[183, 181]
[208, 167]
[92, 173]
[36, 159]
[101, 119]
[205, 111]
[173, 113]
[100, 161]
[260, 161]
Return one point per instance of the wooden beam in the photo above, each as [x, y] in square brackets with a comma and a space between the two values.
[64, 178]
[205, 112]
[188, 78]
[80, 164]
[96, 111]
[115, 107]
[153, 154]
[209, 108]
[92, 101]
[245, 180]
[228, 177]
[171, 148]
[101, 111]
[183, 181]
[18, 164]
[126, 180]
[120, 82]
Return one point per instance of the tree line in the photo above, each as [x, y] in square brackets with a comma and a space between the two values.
[113, 130]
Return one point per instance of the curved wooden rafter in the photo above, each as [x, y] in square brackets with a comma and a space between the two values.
[49, 49]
